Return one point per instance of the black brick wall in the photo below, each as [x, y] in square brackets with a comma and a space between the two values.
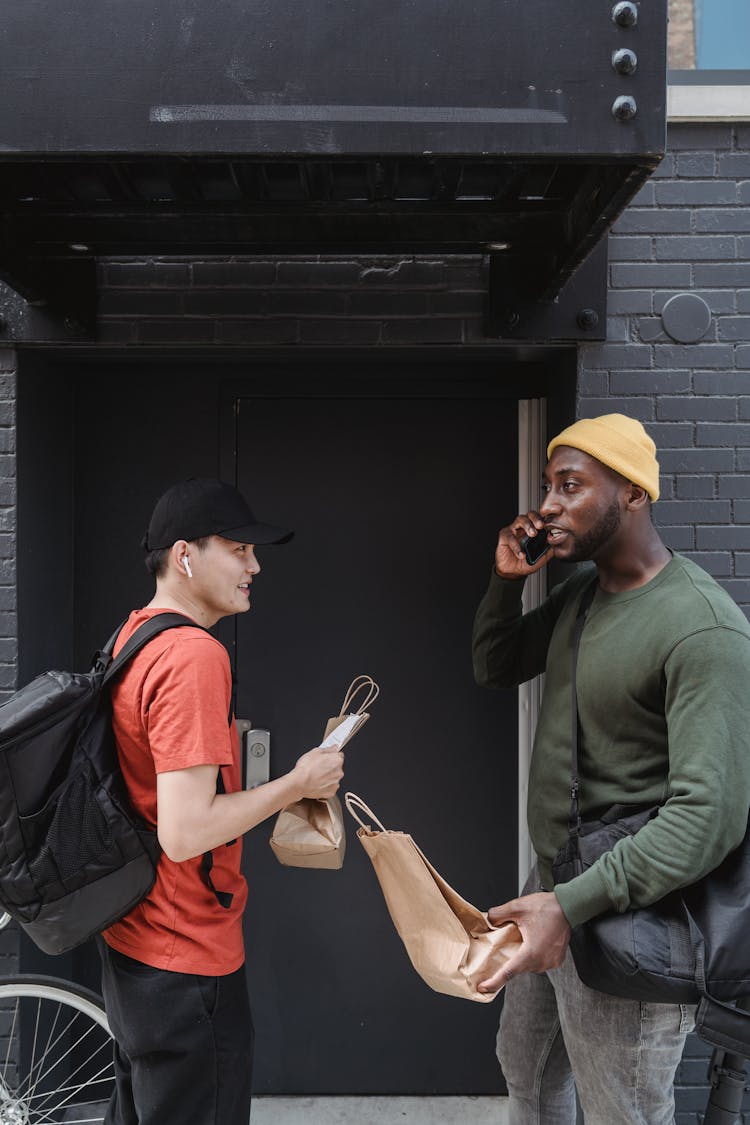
[306, 301]
[687, 231]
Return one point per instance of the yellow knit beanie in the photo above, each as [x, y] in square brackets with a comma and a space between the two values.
[619, 442]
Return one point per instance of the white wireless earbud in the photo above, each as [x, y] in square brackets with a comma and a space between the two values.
[186, 564]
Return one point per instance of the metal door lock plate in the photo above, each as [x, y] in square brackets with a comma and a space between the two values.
[256, 754]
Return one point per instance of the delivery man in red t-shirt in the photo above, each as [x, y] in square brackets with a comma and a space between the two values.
[172, 969]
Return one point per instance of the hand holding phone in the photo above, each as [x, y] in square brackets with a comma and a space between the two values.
[521, 545]
[534, 546]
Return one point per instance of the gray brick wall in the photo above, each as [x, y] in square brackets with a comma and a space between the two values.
[687, 231]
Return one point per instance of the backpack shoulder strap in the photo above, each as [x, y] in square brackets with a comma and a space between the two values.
[141, 637]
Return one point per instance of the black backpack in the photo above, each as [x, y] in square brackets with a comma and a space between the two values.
[74, 857]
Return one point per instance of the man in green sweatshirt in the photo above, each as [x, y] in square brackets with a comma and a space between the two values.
[662, 679]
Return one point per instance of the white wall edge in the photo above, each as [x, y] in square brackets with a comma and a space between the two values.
[532, 430]
[708, 103]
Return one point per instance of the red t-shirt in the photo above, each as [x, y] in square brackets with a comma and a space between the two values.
[170, 711]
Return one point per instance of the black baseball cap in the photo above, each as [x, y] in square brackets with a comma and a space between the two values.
[200, 506]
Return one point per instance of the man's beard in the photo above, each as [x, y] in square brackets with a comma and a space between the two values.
[588, 545]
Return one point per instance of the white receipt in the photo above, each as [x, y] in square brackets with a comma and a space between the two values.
[339, 736]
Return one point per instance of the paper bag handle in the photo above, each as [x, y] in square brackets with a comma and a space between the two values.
[359, 684]
[352, 802]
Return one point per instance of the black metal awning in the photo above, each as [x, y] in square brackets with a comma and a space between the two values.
[514, 128]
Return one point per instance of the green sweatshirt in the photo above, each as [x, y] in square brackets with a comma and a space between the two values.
[663, 681]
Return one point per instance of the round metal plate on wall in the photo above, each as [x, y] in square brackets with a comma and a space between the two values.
[686, 317]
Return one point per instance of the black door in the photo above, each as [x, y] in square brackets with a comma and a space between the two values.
[396, 501]
[396, 485]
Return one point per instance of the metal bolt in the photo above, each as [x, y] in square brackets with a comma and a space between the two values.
[625, 14]
[587, 319]
[257, 749]
[624, 108]
[624, 61]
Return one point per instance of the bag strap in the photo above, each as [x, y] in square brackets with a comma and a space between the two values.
[352, 802]
[140, 638]
[102, 658]
[358, 685]
[574, 819]
[724, 1026]
[224, 898]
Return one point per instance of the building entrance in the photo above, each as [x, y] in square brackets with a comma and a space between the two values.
[396, 499]
[396, 478]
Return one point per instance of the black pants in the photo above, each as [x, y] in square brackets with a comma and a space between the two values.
[183, 1045]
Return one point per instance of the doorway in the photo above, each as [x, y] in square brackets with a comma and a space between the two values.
[396, 474]
[395, 500]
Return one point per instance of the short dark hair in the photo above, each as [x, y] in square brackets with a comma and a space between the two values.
[156, 561]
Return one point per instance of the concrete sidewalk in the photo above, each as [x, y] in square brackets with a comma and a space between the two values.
[379, 1111]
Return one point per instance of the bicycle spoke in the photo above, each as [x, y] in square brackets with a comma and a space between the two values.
[45, 1110]
[55, 1071]
[59, 1059]
[26, 1087]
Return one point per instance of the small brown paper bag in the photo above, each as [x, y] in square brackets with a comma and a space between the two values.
[450, 943]
[310, 832]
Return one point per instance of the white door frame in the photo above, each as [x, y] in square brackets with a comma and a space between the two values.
[532, 429]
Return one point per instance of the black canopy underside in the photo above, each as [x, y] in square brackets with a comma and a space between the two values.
[518, 129]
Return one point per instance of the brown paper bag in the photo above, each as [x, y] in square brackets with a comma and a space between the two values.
[310, 833]
[450, 943]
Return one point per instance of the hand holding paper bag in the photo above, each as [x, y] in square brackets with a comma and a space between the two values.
[545, 932]
[310, 832]
[450, 943]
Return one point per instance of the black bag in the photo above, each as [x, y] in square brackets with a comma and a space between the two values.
[74, 858]
[690, 947]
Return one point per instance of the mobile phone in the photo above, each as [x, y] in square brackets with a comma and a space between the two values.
[534, 546]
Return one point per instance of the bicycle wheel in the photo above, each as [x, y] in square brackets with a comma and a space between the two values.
[56, 1063]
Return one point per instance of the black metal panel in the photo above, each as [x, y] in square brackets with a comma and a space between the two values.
[334, 76]
[577, 312]
[340, 126]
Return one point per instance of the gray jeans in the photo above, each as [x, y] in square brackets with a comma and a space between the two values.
[557, 1036]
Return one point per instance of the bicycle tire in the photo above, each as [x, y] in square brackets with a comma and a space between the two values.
[56, 1057]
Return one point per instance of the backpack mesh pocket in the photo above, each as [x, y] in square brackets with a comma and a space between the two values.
[70, 834]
